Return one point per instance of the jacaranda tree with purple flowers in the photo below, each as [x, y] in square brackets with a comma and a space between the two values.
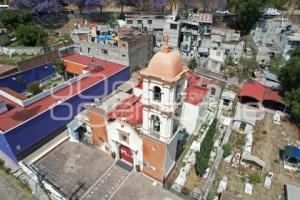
[160, 4]
[38, 6]
[89, 4]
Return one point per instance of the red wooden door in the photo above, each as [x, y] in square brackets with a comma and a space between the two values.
[126, 154]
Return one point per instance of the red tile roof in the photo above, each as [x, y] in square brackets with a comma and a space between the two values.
[130, 110]
[195, 94]
[18, 114]
[260, 92]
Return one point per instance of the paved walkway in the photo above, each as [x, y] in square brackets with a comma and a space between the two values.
[109, 182]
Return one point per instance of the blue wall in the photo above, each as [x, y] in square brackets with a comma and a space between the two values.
[42, 125]
[4, 147]
[29, 76]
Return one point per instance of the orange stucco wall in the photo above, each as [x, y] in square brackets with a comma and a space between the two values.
[73, 67]
[155, 154]
[98, 127]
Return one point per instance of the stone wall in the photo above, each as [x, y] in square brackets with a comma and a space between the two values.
[38, 60]
[21, 50]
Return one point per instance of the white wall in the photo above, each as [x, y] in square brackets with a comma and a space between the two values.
[135, 142]
[190, 115]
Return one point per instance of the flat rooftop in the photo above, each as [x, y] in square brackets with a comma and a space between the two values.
[81, 172]
[17, 114]
[113, 100]
[137, 186]
[74, 167]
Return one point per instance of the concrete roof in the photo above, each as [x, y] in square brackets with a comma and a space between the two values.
[246, 114]
[113, 100]
[227, 94]
[292, 192]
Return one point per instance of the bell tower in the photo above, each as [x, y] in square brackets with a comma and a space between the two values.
[164, 84]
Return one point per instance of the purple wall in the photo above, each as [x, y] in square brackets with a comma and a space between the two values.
[28, 76]
[37, 128]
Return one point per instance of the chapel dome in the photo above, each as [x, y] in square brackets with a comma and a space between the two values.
[165, 64]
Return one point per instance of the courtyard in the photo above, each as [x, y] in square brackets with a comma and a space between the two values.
[81, 172]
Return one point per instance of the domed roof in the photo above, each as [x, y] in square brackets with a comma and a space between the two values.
[166, 65]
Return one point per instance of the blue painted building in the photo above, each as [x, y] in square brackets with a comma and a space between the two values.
[30, 134]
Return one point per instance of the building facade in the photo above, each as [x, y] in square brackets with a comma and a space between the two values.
[125, 47]
[146, 128]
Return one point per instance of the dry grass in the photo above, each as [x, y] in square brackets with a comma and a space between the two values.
[193, 180]
[267, 141]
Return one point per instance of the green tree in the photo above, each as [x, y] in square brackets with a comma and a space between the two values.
[248, 11]
[34, 88]
[202, 156]
[10, 19]
[290, 73]
[276, 63]
[289, 77]
[59, 66]
[192, 63]
[227, 150]
[248, 66]
[29, 35]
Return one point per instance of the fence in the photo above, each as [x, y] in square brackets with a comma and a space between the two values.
[21, 50]
[37, 61]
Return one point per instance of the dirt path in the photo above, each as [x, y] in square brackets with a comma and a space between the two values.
[12, 189]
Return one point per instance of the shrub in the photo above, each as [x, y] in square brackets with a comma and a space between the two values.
[227, 150]
[255, 178]
[192, 63]
[59, 66]
[10, 19]
[29, 35]
[34, 88]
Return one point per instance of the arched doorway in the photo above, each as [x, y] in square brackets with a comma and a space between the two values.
[126, 154]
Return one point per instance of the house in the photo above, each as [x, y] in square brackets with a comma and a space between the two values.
[172, 30]
[145, 21]
[32, 120]
[276, 35]
[146, 128]
[215, 60]
[267, 78]
[125, 46]
[287, 41]
[149, 22]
